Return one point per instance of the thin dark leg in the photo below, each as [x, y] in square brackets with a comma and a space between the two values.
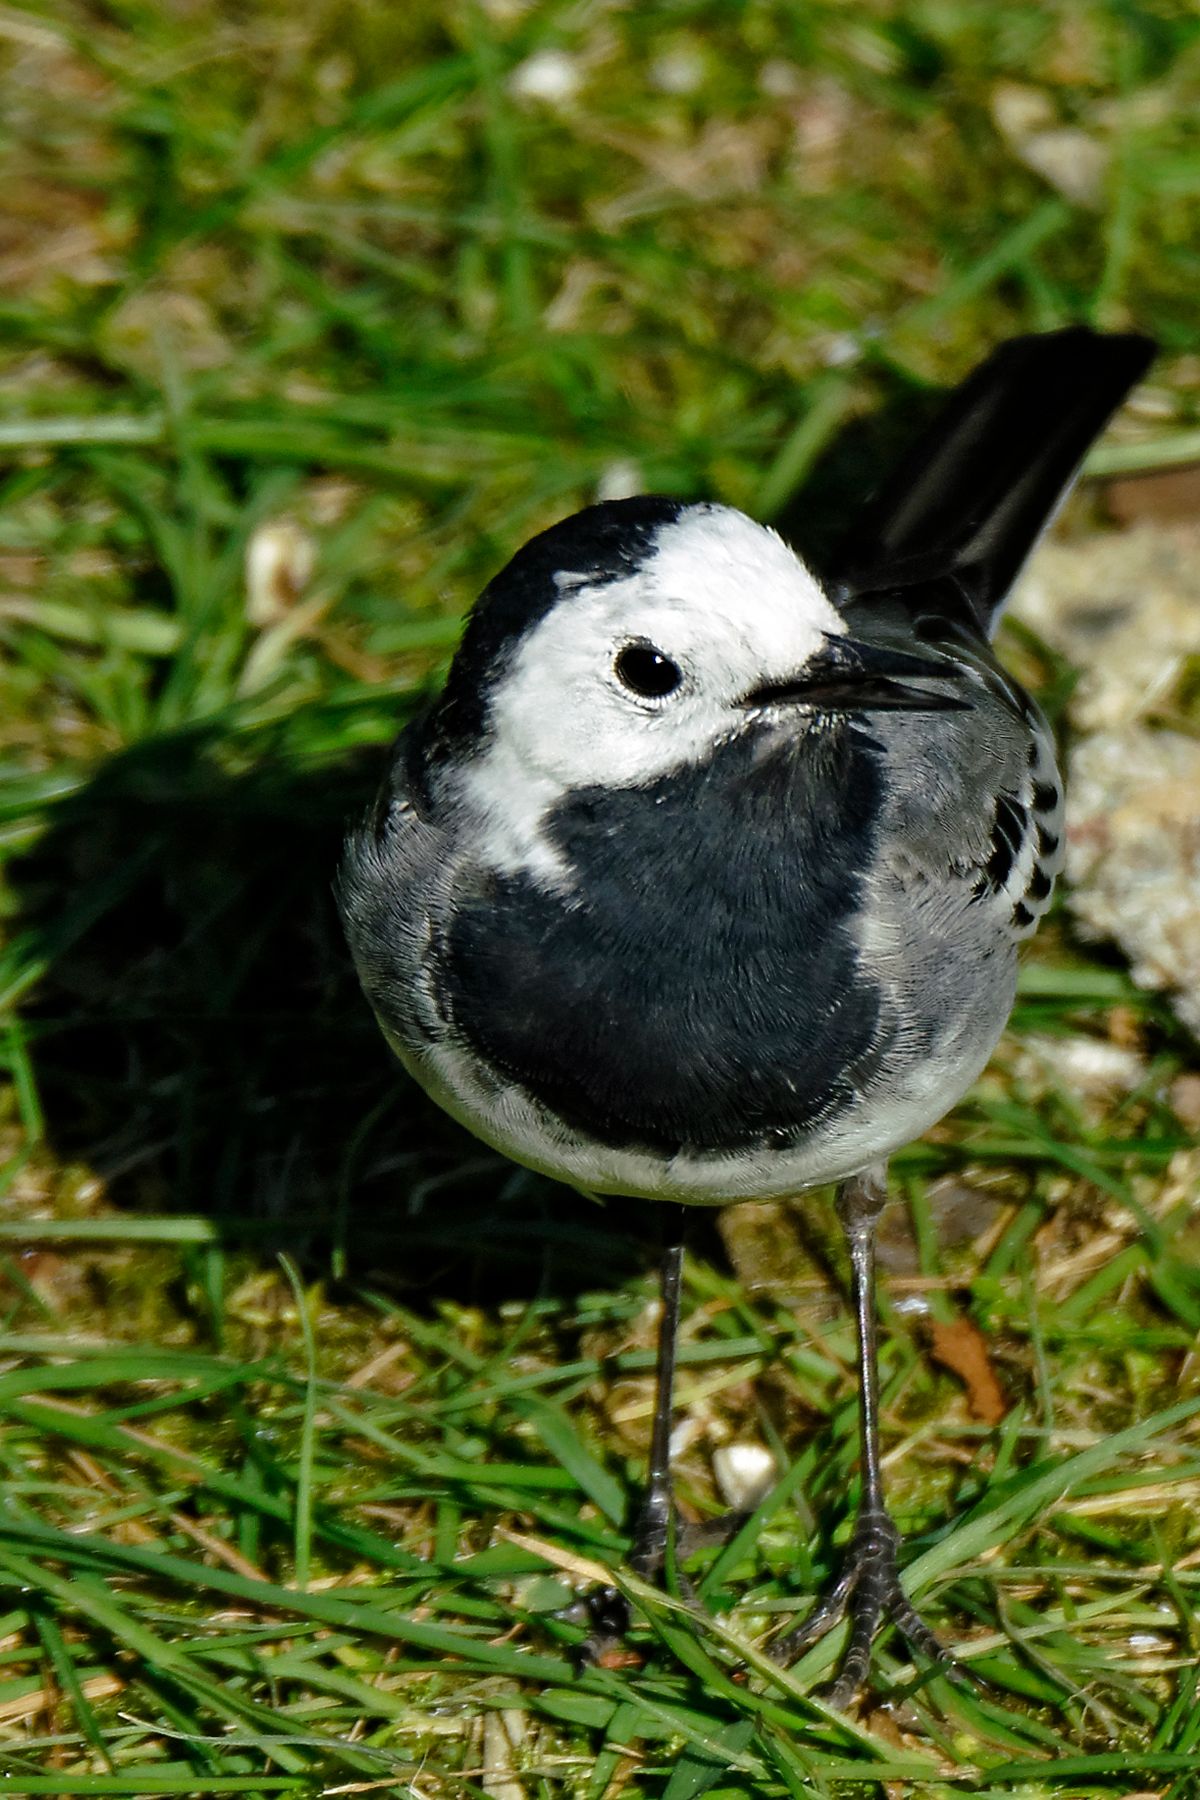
[653, 1526]
[608, 1610]
[869, 1587]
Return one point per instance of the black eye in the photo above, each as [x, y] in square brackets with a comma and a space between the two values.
[646, 671]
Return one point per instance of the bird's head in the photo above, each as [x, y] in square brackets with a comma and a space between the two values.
[638, 636]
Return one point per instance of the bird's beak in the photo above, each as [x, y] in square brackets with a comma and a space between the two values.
[851, 677]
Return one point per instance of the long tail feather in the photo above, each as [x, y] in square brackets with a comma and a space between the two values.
[982, 484]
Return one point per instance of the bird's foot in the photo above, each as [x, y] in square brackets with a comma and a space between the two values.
[869, 1590]
[607, 1611]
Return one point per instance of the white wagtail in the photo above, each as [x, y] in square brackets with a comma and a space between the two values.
[704, 878]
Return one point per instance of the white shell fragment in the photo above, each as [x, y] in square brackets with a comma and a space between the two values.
[745, 1474]
[551, 76]
[280, 559]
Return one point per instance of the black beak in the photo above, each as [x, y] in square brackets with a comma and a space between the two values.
[851, 677]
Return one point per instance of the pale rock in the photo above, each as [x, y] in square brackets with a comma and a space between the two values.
[1124, 608]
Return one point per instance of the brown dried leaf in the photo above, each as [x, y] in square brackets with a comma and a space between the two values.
[961, 1347]
[1161, 494]
[618, 1657]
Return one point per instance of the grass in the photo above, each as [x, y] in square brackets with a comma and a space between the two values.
[313, 1415]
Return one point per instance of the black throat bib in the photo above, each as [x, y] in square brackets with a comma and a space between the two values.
[699, 987]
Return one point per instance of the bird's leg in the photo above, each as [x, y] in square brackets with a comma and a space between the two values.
[608, 1610]
[869, 1587]
[656, 1515]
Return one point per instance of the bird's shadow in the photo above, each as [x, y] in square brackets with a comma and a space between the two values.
[199, 1039]
[200, 1042]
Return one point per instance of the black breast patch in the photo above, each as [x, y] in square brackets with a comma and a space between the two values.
[700, 987]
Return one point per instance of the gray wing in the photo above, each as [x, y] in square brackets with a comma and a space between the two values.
[969, 840]
[393, 887]
[974, 804]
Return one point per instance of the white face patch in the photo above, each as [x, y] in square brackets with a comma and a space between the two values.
[723, 598]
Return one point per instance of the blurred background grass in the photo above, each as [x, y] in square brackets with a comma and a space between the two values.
[310, 316]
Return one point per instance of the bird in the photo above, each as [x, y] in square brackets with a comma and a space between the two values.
[703, 879]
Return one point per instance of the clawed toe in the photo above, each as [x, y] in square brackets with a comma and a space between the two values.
[607, 1611]
[869, 1591]
[609, 1616]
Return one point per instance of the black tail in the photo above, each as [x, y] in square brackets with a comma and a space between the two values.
[970, 502]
